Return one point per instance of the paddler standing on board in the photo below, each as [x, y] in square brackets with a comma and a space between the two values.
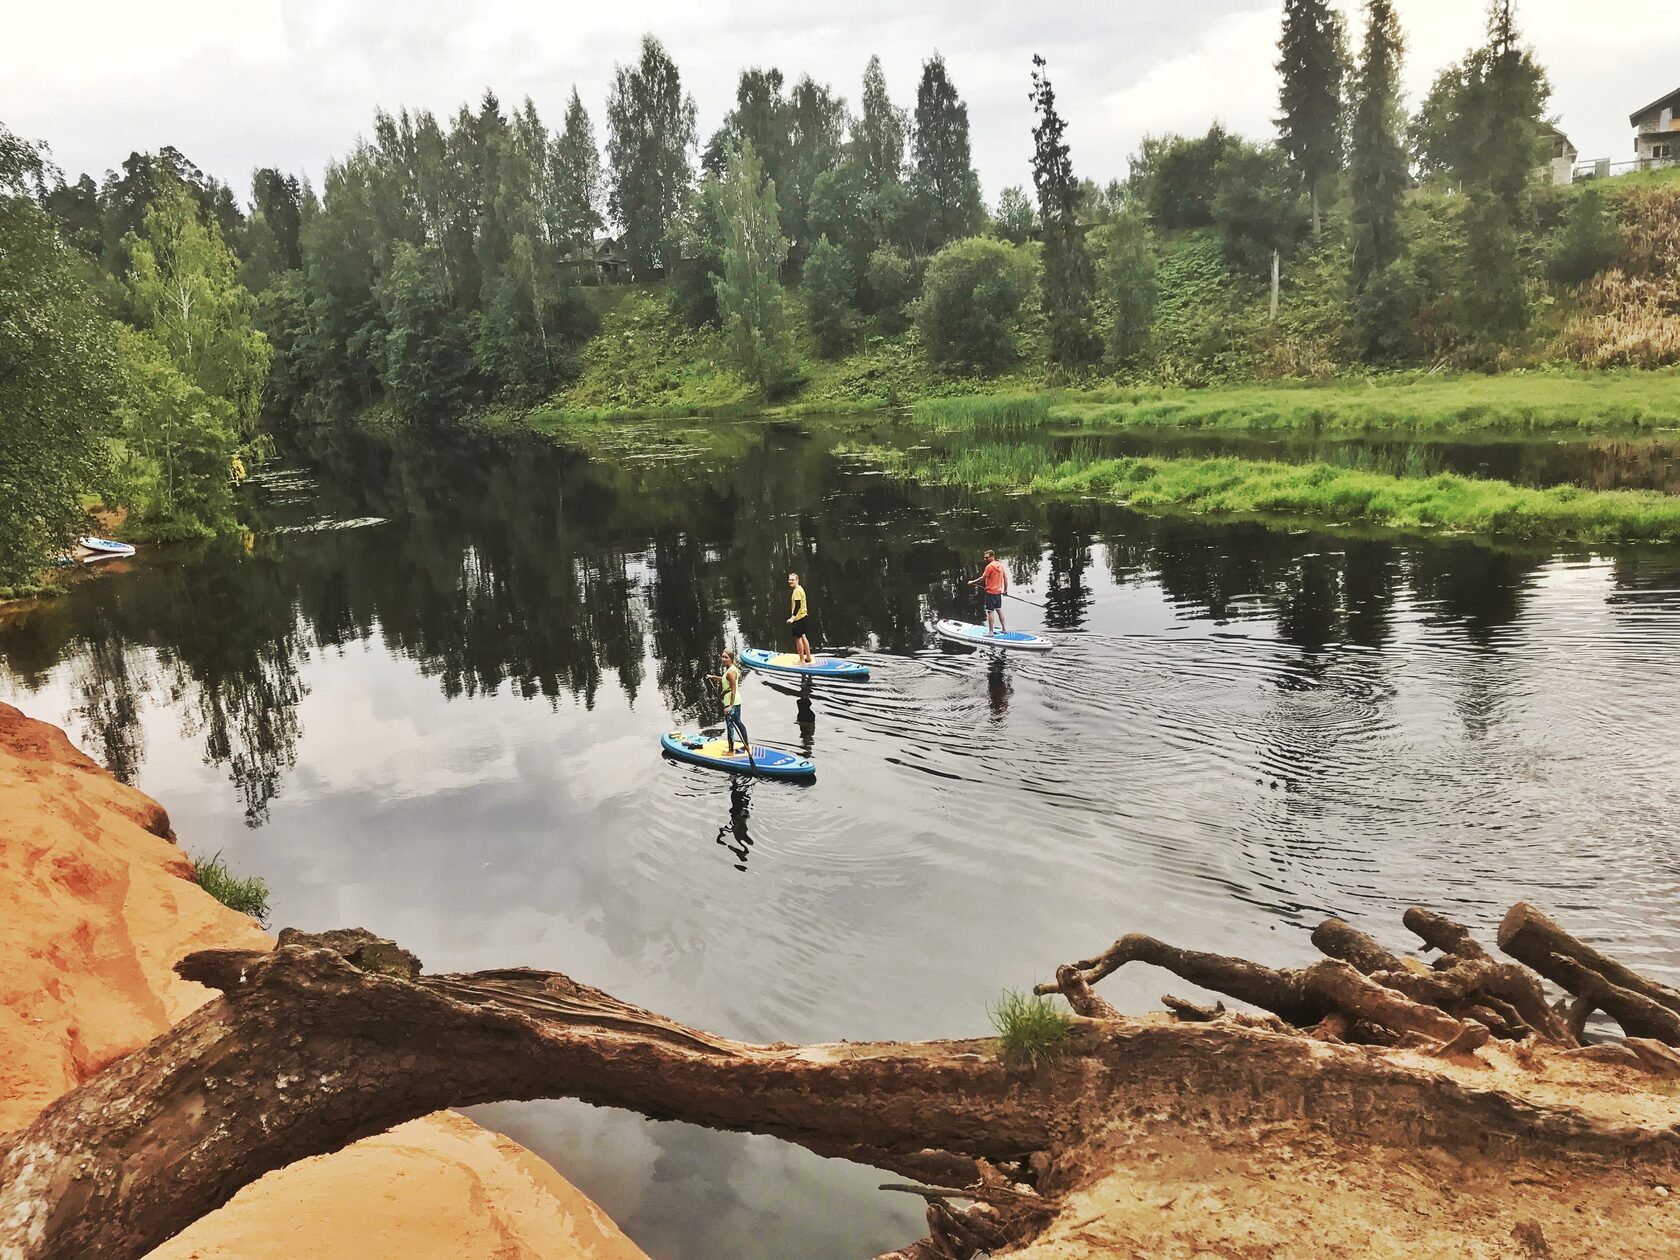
[730, 683]
[996, 581]
[798, 621]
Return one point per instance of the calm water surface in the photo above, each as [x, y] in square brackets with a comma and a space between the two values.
[426, 700]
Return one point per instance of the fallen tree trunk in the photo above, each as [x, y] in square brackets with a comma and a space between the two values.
[305, 1053]
[310, 1048]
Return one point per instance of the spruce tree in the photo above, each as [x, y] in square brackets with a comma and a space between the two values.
[1502, 115]
[574, 210]
[946, 183]
[1068, 276]
[878, 135]
[1377, 167]
[1312, 62]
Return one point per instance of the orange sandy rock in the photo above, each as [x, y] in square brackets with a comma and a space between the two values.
[96, 905]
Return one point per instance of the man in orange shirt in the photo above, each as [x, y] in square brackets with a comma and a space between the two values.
[996, 580]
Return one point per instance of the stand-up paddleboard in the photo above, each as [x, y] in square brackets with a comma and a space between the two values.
[976, 636]
[102, 547]
[707, 750]
[789, 663]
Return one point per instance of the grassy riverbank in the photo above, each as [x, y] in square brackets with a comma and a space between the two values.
[1517, 402]
[1318, 492]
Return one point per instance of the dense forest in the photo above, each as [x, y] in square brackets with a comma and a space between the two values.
[160, 331]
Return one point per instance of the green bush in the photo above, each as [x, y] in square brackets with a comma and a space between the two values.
[1589, 242]
[969, 315]
[248, 895]
[828, 286]
[889, 287]
[1034, 1032]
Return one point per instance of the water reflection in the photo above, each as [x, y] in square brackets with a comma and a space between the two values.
[442, 727]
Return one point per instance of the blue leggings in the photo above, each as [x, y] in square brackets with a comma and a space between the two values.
[732, 723]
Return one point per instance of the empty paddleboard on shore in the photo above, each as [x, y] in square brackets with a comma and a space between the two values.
[789, 663]
[102, 547]
[976, 636]
[711, 751]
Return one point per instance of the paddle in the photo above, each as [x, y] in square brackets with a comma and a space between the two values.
[1018, 599]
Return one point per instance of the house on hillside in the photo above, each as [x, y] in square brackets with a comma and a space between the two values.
[1656, 131]
[1560, 162]
[601, 262]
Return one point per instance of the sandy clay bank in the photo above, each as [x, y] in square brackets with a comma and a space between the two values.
[96, 906]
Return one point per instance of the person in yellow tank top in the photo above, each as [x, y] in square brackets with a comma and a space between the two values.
[729, 681]
[798, 621]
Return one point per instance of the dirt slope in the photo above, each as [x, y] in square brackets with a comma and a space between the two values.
[95, 908]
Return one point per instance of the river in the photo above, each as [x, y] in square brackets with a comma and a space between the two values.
[424, 698]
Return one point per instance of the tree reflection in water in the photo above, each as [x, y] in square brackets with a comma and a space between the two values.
[555, 574]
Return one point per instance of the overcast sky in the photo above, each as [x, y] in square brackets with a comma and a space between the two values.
[290, 83]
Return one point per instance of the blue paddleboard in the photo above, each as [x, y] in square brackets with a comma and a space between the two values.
[708, 750]
[976, 636]
[788, 663]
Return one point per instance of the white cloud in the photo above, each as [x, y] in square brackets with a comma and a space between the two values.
[292, 83]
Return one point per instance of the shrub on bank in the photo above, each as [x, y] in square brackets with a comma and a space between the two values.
[970, 311]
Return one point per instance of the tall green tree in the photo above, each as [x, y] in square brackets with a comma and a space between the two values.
[1312, 62]
[1378, 170]
[58, 376]
[818, 120]
[650, 129]
[1484, 126]
[278, 198]
[749, 291]
[879, 132]
[762, 118]
[945, 180]
[184, 289]
[1068, 277]
[574, 211]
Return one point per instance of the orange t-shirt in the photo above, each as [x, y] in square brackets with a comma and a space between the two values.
[994, 578]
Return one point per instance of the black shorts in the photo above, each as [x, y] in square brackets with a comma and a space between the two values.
[994, 603]
[796, 630]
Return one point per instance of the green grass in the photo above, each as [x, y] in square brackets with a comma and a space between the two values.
[248, 895]
[1316, 491]
[1033, 1030]
[1530, 401]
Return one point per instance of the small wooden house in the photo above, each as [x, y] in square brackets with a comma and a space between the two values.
[602, 262]
[1656, 131]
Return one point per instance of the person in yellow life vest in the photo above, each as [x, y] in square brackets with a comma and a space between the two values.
[800, 619]
[730, 683]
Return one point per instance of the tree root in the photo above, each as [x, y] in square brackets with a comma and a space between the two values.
[1365, 993]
